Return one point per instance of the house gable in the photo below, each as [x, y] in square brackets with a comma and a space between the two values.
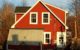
[32, 9]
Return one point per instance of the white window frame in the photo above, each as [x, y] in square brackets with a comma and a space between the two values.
[45, 38]
[36, 17]
[48, 17]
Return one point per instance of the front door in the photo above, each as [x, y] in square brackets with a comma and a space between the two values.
[61, 39]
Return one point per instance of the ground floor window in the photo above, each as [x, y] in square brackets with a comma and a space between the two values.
[47, 37]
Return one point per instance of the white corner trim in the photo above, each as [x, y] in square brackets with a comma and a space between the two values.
[66, 11]
[48, 17]
[36, 17]
[24, 14]
[45, 38]
[66, 20]
[54, 15]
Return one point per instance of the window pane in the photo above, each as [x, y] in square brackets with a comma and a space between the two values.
[45, 15]
[33, 18]
[47, 41]
[33, 15]
[47, 35]
[45, 18]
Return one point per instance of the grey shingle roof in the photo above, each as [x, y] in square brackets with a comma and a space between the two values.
[21, 9]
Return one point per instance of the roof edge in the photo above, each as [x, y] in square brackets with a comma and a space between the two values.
[57, 7]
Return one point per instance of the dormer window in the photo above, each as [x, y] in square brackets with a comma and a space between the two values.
[33, 18]
[45, 18]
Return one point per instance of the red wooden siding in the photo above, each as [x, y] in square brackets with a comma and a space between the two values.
[54, 25]
[61, 14]
[18, 15]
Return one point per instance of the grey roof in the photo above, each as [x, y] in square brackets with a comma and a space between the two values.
[21, 9]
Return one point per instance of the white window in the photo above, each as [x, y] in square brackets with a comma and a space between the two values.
[45, 18]
[33, 18]
[47, 37]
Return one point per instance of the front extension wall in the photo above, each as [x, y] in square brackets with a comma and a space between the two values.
[18, 36]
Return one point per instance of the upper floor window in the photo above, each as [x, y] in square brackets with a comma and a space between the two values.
[33, 18]
[45, 18]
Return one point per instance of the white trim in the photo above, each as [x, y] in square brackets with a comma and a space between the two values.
[48, 17]
[65, 27]
[54, 14]
[36, 17]
[66, 11]
[24, 14]
[66, 20]
[45, 38]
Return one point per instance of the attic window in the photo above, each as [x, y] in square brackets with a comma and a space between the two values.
[33, 18]
[45, 18]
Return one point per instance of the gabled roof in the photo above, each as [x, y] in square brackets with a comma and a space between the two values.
[47, 9]
[20, 9]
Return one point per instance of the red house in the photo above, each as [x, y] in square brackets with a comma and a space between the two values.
[40, 23]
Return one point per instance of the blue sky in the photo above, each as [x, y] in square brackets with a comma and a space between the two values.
[65, 4]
